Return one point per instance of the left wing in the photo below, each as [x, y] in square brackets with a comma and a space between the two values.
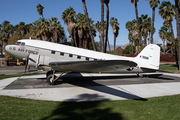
[104, 66]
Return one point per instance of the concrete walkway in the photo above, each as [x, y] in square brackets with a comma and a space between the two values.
[92, 93]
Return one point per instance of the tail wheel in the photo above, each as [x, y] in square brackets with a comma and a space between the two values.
[50, 80]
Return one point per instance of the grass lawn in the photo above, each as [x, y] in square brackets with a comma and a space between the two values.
[161, 108]
[168, 67]
[166, 108]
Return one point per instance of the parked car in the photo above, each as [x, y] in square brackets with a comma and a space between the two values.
[12, 62]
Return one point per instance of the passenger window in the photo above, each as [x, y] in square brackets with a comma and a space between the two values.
[95, 59]
[78, 57]
[61, 53]
[70, 55]
[22, 44]
[87, 58]
[53, 52]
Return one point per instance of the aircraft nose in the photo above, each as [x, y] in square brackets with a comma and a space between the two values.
[8, 47]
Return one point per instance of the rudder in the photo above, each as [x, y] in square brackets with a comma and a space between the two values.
[149, 57]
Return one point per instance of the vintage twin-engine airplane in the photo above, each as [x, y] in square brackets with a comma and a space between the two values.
[42, 54]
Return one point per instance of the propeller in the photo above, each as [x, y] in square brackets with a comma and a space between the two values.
[26, 63]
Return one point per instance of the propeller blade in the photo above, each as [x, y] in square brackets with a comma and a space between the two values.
[26, 63]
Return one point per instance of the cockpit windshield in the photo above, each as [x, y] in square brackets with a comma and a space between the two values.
[18, 43]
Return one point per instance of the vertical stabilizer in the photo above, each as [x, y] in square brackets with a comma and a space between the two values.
[149, 57]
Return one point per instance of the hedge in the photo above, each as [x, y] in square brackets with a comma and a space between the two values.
[163, 58]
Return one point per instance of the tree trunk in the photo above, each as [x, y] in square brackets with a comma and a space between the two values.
[145, 41]
[109, 46]
[132, 48]
[164, 46]
[74, 38]
[174, 43]
[86, 41]
[129, 47]
[107, 22]
[136, 11]
[114, 43]
[178, 29]
[87, 18]
[2, 47]
[102, 26]
[172, 35]
[152, 27]
[56, 37]
[45, 38]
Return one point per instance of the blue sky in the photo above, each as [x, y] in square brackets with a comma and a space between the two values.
[16, 11]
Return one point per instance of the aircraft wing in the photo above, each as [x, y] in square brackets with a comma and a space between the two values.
[104, 66]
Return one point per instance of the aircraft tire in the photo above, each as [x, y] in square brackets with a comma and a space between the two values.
[49, 73]
[50, 80]
[140, 75]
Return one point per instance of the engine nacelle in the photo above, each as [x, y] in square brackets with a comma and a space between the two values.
[39, 60]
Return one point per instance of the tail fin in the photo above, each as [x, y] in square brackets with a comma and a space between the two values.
[149, 57]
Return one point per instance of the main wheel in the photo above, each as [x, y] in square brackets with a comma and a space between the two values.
[49, 73]
[50, 80]
[140, 75]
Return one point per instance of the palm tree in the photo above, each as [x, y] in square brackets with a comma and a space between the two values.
[135, 34]
[40, 9]
[131, 40]
[177, 3]
[115, 26]
[102, 25]
[166, 12]
[163, 35]
[68, 17]
[129, 27]
[146, 23]
[136, 11]
[169, 39]
[98, 27]
[153, 4]
[55, 27]
[44, 31]
[89, 27]
[1, 42]
[81, 26]
[40, 29]
[107, 23]
[6, 30]
[22, 28]
[28, 27]
[35, 30]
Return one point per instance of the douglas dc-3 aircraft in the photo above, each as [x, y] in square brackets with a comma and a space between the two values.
[58, 57]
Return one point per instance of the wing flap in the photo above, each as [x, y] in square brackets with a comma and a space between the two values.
[93, 66]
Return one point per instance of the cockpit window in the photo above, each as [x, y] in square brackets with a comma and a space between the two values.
[18, 43]
[22, 44]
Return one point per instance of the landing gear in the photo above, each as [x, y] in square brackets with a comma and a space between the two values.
[139, 75]
[52, 78]
[49, 73]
